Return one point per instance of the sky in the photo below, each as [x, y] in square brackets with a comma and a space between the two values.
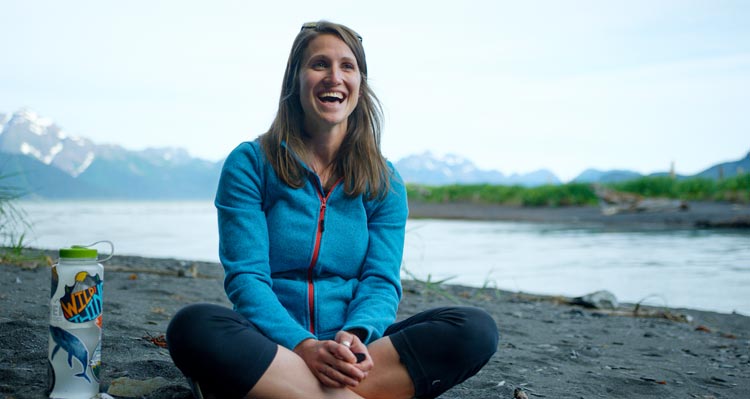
[514, 86]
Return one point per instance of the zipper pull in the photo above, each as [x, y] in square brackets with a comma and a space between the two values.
[322, 224]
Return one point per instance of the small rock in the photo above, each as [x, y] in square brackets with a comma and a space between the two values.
[547, 347]
[597, 300]
[191, 271]
[519, 394]
[576, 313]
[130, 388]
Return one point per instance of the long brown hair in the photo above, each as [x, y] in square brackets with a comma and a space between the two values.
[359, 159]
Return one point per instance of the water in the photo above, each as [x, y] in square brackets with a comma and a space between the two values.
[165, 229]
[701, 269]
[698, 269]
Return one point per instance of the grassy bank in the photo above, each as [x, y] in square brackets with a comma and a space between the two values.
[734, 189]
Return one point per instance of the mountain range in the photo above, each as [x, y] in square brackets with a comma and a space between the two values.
[430, 169]
[40, 159]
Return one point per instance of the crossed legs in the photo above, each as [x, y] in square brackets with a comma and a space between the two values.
[422, 356]
[289, 377]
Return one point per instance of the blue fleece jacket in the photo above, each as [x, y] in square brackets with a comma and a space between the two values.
[301, 263]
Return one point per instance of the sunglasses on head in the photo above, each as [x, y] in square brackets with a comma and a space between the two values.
[314, 25]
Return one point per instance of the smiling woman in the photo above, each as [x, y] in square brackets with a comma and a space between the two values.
[329, 85]
[329, 93]
[328, 59]
[311, 236]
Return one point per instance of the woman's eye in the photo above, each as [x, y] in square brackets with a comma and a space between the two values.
[349, 66]
[319, 65]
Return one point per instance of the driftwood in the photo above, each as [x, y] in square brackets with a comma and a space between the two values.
[636, 310]
[647, 313]
[613, 202]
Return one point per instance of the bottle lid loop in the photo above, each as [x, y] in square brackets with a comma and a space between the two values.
[84, 251]
[111, 249]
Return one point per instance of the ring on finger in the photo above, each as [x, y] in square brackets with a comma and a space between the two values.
[348, 344]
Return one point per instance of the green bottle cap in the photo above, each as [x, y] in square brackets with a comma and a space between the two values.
[78, 252]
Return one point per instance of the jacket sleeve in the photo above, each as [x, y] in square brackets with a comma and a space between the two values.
[244, 248]
[375, 303]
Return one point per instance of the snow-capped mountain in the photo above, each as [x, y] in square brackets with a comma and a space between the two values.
[40, 159]
[430, 169]
[46, 161]
[29, 134]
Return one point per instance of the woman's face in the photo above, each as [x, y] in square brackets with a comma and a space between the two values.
[329, 83]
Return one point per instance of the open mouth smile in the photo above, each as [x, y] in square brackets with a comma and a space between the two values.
[331, 97]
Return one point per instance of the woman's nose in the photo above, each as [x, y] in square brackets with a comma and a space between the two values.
[335, 75]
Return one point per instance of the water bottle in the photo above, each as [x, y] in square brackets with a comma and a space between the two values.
[75, 324]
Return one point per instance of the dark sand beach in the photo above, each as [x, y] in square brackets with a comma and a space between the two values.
[548, 348]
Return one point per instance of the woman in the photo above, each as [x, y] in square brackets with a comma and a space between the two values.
[311, 226]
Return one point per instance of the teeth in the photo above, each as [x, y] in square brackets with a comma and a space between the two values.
[332, 94]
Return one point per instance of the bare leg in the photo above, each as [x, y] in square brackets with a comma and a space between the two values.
[388, 378]
[289, 377]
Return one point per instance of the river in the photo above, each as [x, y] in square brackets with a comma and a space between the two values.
[701, 269]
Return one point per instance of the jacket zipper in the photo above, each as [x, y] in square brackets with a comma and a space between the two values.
[318, 236]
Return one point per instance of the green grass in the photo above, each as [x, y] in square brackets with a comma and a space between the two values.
[547, 195]
[432, 286]
[13, 228]
[488, 290]
[734, 189]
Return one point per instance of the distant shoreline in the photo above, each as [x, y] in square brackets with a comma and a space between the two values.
[698, 215]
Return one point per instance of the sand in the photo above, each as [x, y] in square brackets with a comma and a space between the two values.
[548, 348]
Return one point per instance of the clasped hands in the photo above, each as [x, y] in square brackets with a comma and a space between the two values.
[334, 362]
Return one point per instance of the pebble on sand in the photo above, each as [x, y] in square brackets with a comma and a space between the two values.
[130, 388]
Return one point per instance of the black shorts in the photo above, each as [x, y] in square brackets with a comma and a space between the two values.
[221, 349]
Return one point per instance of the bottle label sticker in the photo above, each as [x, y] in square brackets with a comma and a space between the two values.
[82, 301]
